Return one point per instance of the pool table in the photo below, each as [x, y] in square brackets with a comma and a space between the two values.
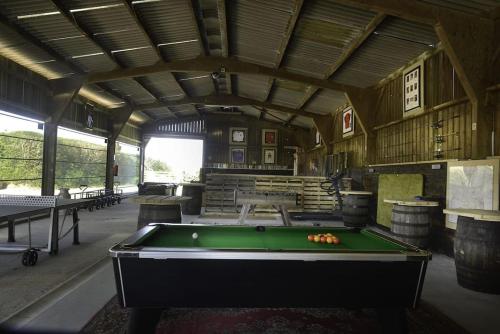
[162, 266]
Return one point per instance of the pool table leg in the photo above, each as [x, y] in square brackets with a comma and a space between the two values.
[143, 320]
[393, 320]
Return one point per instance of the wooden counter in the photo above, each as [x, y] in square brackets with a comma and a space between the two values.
[477, 214]
[411, 203]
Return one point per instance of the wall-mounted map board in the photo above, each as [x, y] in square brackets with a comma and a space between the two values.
[399, 187]
[471, 184]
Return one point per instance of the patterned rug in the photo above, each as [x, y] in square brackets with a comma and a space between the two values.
[426, 320]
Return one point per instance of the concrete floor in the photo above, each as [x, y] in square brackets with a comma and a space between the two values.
[64, 292]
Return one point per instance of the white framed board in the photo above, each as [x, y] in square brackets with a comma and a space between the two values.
[472, 184]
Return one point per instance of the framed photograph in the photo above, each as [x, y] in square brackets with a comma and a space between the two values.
[347, 122]
[237, 155]
[269, 137]
[413, 89]
[268, 155]
[238, 136]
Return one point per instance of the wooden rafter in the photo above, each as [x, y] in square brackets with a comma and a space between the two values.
[198, 23]
[348, 52]
[215, 64]
[222, 15]
[86, 32]
[151, 42]
[224, 101]
[285, 42]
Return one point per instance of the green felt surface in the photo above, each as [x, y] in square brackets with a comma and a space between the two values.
[273, 238]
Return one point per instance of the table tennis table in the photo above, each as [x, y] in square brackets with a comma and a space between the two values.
[16, 207]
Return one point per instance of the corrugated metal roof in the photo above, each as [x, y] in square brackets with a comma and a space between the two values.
[97, 63]
[467, 6]
[407, 30]
[288, 93]
[132, 90]
[302, 121]
[251, 86]
[163, 86]
[196, 84]
[107, 99]
[80, 46]
[378, 57]
[276, 116]
[136, 58]
[325, 101]
[250, 111]
[323, 32]
[256, 29]
[114, 28]
[184, 110]
[13, 8]
[15, 48]
[171, 22]
[159, 113]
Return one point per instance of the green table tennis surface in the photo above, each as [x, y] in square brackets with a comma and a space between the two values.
[271, 239]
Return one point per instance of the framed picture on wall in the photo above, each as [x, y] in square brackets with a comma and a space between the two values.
[269, 137]
[413, 89]
[238, 136]
[347, 122]
[237, 155]
[268, 155]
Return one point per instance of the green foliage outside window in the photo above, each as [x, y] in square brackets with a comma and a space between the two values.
[77, 162]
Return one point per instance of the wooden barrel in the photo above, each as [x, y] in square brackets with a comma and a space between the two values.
[477, 254]
[193, 206]
[151, 213]
[411, 224]
[356, 210]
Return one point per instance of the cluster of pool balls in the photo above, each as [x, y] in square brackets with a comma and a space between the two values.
[327, 238]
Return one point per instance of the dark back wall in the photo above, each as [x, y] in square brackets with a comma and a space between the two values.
[217, 140]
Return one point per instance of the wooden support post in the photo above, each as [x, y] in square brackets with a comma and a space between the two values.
[364, 104]
[144, 143]
[324, 124]
[110, 163]
[63, 93]
[470, 44]
[120, 119]
[49, 158]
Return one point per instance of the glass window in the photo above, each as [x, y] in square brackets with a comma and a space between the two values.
[128, 160]
[80, 161]
[21, 152]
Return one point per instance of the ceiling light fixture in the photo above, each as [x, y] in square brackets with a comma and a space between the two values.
[180, 42]
[194, 78]
[30, 16]
[86, 9]
[88, 55]
[131, 49]
[137, 2]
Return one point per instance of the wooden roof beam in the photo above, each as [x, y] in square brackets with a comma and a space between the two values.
[214, 64]
[224, 101]
[221, 13]
[89, 34]
[285, 42]
[370, 28]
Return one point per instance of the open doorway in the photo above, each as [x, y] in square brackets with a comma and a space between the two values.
[173, 160]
